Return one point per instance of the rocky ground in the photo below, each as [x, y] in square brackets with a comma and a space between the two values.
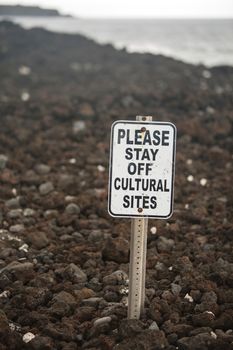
[63, 259]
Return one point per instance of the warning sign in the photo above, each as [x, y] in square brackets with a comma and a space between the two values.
[142, 161]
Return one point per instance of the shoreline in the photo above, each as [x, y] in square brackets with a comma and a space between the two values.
[154, 38]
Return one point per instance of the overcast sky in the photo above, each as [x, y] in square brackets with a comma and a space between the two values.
[136, 8]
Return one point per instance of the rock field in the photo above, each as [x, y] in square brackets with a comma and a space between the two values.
[63, 260]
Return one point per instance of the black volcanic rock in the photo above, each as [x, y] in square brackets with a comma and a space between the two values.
[63, 273]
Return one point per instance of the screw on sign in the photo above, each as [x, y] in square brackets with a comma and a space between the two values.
[141, 178]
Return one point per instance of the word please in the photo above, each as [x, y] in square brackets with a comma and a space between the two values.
[147, 137]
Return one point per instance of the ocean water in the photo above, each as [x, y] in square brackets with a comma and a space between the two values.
[205, 41]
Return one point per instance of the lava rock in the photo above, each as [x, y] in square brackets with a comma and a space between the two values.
[41, 343]
[38, 240]
[147, 340]
[92, 302]
[116, 249]
[42, 169]
[14, 203]
[202, 341]
[28, 212]
[203, 319]
[15, 214]
[117, 277]
[65, 181]
[85, 313]
[72, 209]
[164, 244]
[176, 288]
[86, 110]
[3, 161]
[84, 293]
[75, 274]
[208, 303]
[21, 271]
[63, 304]
[4, 324]
[129, 328]
[17, 228]
[46, 188]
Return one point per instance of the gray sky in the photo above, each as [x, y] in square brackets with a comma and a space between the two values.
[136, 8]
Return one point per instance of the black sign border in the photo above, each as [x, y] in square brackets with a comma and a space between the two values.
[110, 169]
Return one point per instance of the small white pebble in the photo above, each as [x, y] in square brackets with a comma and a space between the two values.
[25, 96]
[186, 206]
[214, 335]
[72, 160]
[210, 110]
[124, 291]
[222, 199]
[70, 198]
[170, 268]
[5, 294]
[14, 191]
[210, 312]
[13, 238]
[14, 327]
[206, 74]
[189, 161]
[124, 300]
[24, 248]
[190, 178]
[154, 326]
[78, 125]
[203, 182]
[101, 168]
[28, 337]
[102, 320]
[24, 70]
[189, 298]
[29, 212]
[153, 230]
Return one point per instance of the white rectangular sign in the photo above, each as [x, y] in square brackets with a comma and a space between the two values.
[142, 162]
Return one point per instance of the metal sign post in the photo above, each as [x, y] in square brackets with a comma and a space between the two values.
[142, 163]
[137, 266]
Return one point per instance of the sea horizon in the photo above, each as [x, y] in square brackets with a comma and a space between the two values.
[206, 41]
